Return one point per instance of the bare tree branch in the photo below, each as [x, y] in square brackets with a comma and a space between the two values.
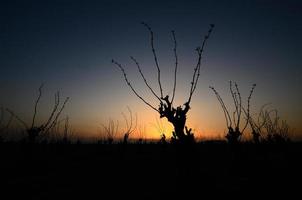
[234, 96]
[36, 105]
[262, 116]
[130, 127]
[155, 57]
[4, 127]
[126, 120]
[57, 116]
[248, 107]
[8, 122]
[176, 63]
[129, 84]
[141, 73]
[239, 104]
[225, 110]
[18, 118]
[196, 73]
[111, 129]
[67, 133]
[57, 102]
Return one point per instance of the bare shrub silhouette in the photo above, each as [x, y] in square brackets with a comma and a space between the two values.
[162, 139]
[233, 123]
[55, 131]
[277, 129]
[161, 129]
[175, 115]
[67, 132]
[4, 125]
[269, 126]
[130, 128]
[141, 134]
[62, 132]
[111, 130]
[35, 132]
[257, 123]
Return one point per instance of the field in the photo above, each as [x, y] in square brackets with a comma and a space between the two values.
[149, 171]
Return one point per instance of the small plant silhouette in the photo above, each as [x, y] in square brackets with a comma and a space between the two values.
[163, 139]
[175, 115]
[67, 132]
[277, 130]
[270, 124]
[233, 123]
[257, 124]
[130, 128]
[161, 129]
[35, 132]
[141, 134]
[111, 130]
[4, 126]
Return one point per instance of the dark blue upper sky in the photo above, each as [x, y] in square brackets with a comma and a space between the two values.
[69, 46]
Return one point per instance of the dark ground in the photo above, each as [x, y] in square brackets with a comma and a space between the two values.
[150, 171]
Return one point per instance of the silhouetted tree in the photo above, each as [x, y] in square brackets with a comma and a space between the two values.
[233, 123]
[175, 115]
[42, 130]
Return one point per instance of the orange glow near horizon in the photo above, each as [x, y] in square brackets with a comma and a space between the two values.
[206, 119]
[209, 125]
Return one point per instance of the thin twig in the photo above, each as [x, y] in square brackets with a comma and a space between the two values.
[176, 63]
[36, 105]
[57, 102]
[141, 73]
[155, 57]
[234, 96]
[225, 110]
[198, 65]
[18, 118]
[129, 84]
[194, 75]
[239, 105]
[248, 107]
[57, 116]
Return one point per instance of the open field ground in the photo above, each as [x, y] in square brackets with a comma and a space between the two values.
[149, 171]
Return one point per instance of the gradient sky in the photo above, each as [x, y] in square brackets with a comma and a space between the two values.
[69, 45]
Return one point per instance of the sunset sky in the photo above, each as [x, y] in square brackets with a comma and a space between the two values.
[68, 46]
